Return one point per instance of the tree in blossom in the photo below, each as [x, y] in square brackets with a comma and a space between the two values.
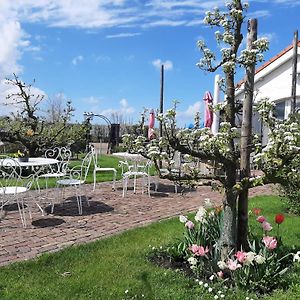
[223, 149]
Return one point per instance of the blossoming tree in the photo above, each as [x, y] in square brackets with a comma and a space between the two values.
[223, 149]
[27, 126]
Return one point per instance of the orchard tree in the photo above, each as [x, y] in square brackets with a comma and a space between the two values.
[29, 129]
[222, 148]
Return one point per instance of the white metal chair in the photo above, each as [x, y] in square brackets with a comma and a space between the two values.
[13, 185]
[76, 177]
[98, 168]
[58, 170]
[135, 171]
[175, 169]
[63, 155]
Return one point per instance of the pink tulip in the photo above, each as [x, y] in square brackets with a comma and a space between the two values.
[189, 224]
[266, 226]
[233, 265]
[220, 274]
[241, 256]
[261, 219]
[199, 250]
[270, 242]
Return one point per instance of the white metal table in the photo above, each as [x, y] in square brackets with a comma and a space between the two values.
[35, 165]
[139, 168]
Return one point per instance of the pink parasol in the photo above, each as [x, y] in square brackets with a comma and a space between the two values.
[208, 114]
[151, 134]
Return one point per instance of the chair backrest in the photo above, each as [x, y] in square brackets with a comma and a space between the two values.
[85, 165]
[11, 174]
[94, 155]
[63, 155]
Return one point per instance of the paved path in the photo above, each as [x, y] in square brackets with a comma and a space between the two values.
[108, 214]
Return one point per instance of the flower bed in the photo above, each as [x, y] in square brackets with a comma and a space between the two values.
[261, 268]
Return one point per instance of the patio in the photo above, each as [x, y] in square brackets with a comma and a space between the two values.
[108, 214]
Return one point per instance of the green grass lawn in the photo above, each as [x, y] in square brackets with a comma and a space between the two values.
[107, 268]
[105, 161]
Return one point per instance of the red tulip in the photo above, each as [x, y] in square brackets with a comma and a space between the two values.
[279, 218]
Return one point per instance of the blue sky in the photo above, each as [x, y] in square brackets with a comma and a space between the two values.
[105, 55]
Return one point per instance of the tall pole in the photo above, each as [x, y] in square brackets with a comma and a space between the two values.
[161, 106]
[246, 146]
[294, 72]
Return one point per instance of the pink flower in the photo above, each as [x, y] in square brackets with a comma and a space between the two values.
[270, 242]
[233, 265]
[241, 256]
[220, 274]
[199, 250]
[266, 226]
[189, 225]
[261, 219]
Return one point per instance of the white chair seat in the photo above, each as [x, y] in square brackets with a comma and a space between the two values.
[135, 173]
[13, 186]
[70, 182]
[53, 175]
[10, 190]
[105, 169]
[97, 168]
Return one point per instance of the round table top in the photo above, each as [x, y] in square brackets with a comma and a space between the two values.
[38, 161]
[127, 155]
[32, 161]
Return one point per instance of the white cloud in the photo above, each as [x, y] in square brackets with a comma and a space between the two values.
[122, 35]
[11, 40]
[8, 106]
[191, 110]
[92, 100]
[123, 110]
[168, 65]
[271, 36]
[258, 14]
[76, 60]
[102, 58]
[159, 23]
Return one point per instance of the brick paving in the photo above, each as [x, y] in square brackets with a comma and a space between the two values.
[108, 214]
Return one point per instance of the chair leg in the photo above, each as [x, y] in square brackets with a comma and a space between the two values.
[21, 212]
[156, 184]
[114, 180]
[125, 183]
[79, 201]
[149, 186]
[134, 184]
[143, 183]
[94, 175]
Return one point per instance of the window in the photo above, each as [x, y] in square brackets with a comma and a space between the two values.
[280, 110]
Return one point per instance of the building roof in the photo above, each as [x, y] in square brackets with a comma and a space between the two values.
[269, 62]
[281, 53]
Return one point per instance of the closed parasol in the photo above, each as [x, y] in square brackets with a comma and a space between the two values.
[208, 113]
[151, 134]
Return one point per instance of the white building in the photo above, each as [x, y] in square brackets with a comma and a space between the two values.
[274, 80]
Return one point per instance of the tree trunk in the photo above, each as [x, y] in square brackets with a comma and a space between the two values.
[246, 131]
[228, 236]
[294, 72]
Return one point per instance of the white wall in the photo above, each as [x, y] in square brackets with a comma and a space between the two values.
[275, 82]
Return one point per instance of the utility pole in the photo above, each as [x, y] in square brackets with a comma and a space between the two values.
[161, 106]
[294, 72]
[246, 140]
